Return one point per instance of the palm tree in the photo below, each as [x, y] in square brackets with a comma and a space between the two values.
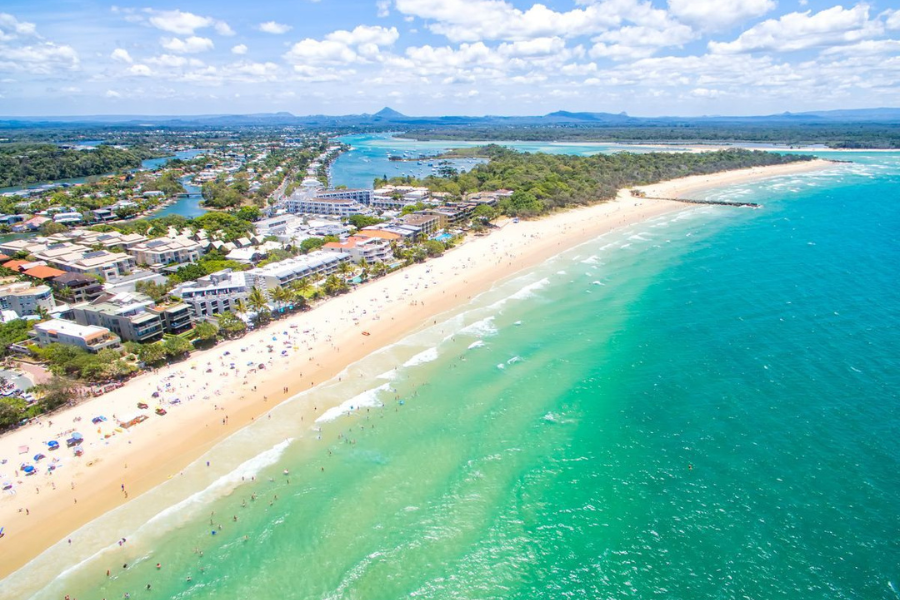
[239, 308]
[345, 268]
[302, 285]
[281, 296]
[380, 269]
[257, 302]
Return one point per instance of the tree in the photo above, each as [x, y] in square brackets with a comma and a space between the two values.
[205, 331]
[56, 392]
[280, 296]
[51, 227]
[258, 303]
[345, 268]
[310, 244]
[230, 324]
[176, 347]
[433, 248]
[334, 285]
[485, 212]
[151, 354]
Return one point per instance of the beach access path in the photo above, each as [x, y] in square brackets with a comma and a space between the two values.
[309, 348]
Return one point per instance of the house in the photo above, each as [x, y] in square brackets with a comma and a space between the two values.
[370, 249]
[43, 272]
[25, 299]
[66, 218]
[15, 265]
[32, 224]
[380, 234]
[86, 337]
[216, 293]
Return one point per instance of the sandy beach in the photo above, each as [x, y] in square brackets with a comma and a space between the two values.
[223, 389]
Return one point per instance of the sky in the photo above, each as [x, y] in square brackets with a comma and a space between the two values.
[446, 57]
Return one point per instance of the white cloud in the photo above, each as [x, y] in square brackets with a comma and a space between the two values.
[222, 28]
[380, 36]
[798, 31]
[121, 55]
[140, 70]
[41, 59]
[71, 89]
[383, 7]
[892, 19]
[11, 28]
[239, 49]
[274, 28]
[866, 48]
[714, 15]
[191, 45]
[313, 51]
[112, 94]
[363, 44]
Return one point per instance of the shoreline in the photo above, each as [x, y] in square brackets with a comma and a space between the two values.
[216, 404]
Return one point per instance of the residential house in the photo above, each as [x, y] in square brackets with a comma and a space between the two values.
[216, 293]
[74, 287]
[25, 299]
[127, 315]
[166, 251]
[87, 337]
[370, 249]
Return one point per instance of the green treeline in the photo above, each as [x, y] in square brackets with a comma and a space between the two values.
[24, 164]
[834, 135]
[544, 182]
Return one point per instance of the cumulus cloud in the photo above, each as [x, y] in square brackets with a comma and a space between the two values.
[239, 49]
[274, 28]
[798, 31]
[11, 28]
[714, 15]
[42, 58]
[191, 45]
[363, 43]
[112, 94]
[184, 23]
[121, 55]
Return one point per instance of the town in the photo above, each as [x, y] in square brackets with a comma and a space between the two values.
[98, 284]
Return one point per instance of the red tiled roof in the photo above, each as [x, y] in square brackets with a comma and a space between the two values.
[44, 272]
[15, 265]
[4, 257]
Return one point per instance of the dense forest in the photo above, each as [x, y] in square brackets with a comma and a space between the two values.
[842, 135]
[544, 182]
[21, 164]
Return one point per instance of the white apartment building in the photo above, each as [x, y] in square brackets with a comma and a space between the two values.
[24, 299]
[322, 206]
[313, 265]
[165, 251]
[86, 337]
[370, 249]
[216, 293]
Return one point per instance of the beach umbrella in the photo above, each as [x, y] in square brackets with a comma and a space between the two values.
[7, 485]
[99, 419]
[78, 450]
[53, 444]
[28, 469]
[38, 457]
[77, 436]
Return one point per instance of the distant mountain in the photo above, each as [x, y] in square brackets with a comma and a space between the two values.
[389, 116]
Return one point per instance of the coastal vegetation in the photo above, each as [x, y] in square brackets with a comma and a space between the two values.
[21, 164]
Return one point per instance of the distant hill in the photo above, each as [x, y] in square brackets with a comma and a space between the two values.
[389, 116]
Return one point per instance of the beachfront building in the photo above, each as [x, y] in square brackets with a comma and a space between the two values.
[166, 251]
[176, 318]
[360, 196]
[452, 215]
[87, 337]
[322, 206]
[127, 315]
[370, 249]
[26, 300]
[312, 265]
[74, 287]
[216, 293]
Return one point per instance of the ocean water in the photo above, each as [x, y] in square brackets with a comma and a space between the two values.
[700, 406]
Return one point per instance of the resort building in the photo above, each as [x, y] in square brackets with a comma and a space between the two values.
[126, 315]
[322, 206]
[360, 196]
[216, 293]
[166, 251]
[25, 300]
[312, 265]
[370, 249]
[74, 287]
[86, 337]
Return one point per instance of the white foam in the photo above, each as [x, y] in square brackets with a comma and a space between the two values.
[597, 283]
[591, 260]
[478, 344]
[529, 290]
[482, 328]
[514, 360]
[423, 357]
[501, 366]
[365, 399]
[226, 483]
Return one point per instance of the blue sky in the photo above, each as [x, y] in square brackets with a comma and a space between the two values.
[429, 57]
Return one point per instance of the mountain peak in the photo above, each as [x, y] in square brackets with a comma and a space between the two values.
[388, 113]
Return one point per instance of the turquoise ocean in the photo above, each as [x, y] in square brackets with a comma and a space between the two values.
[704, 405]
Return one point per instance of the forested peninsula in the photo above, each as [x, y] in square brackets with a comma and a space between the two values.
[545, 182]
[22, 164]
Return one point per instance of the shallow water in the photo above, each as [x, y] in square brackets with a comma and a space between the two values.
[704, 405]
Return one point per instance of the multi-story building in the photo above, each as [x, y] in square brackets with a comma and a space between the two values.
[427, 224]
[322, 206]
[126, 315]
[314, 264]
[370, 249]
[25, 300]
[86, 337]
[166, 251]
[76, 258]
[360, 196]
[216, 293]
[73, 287]
[176, 318]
